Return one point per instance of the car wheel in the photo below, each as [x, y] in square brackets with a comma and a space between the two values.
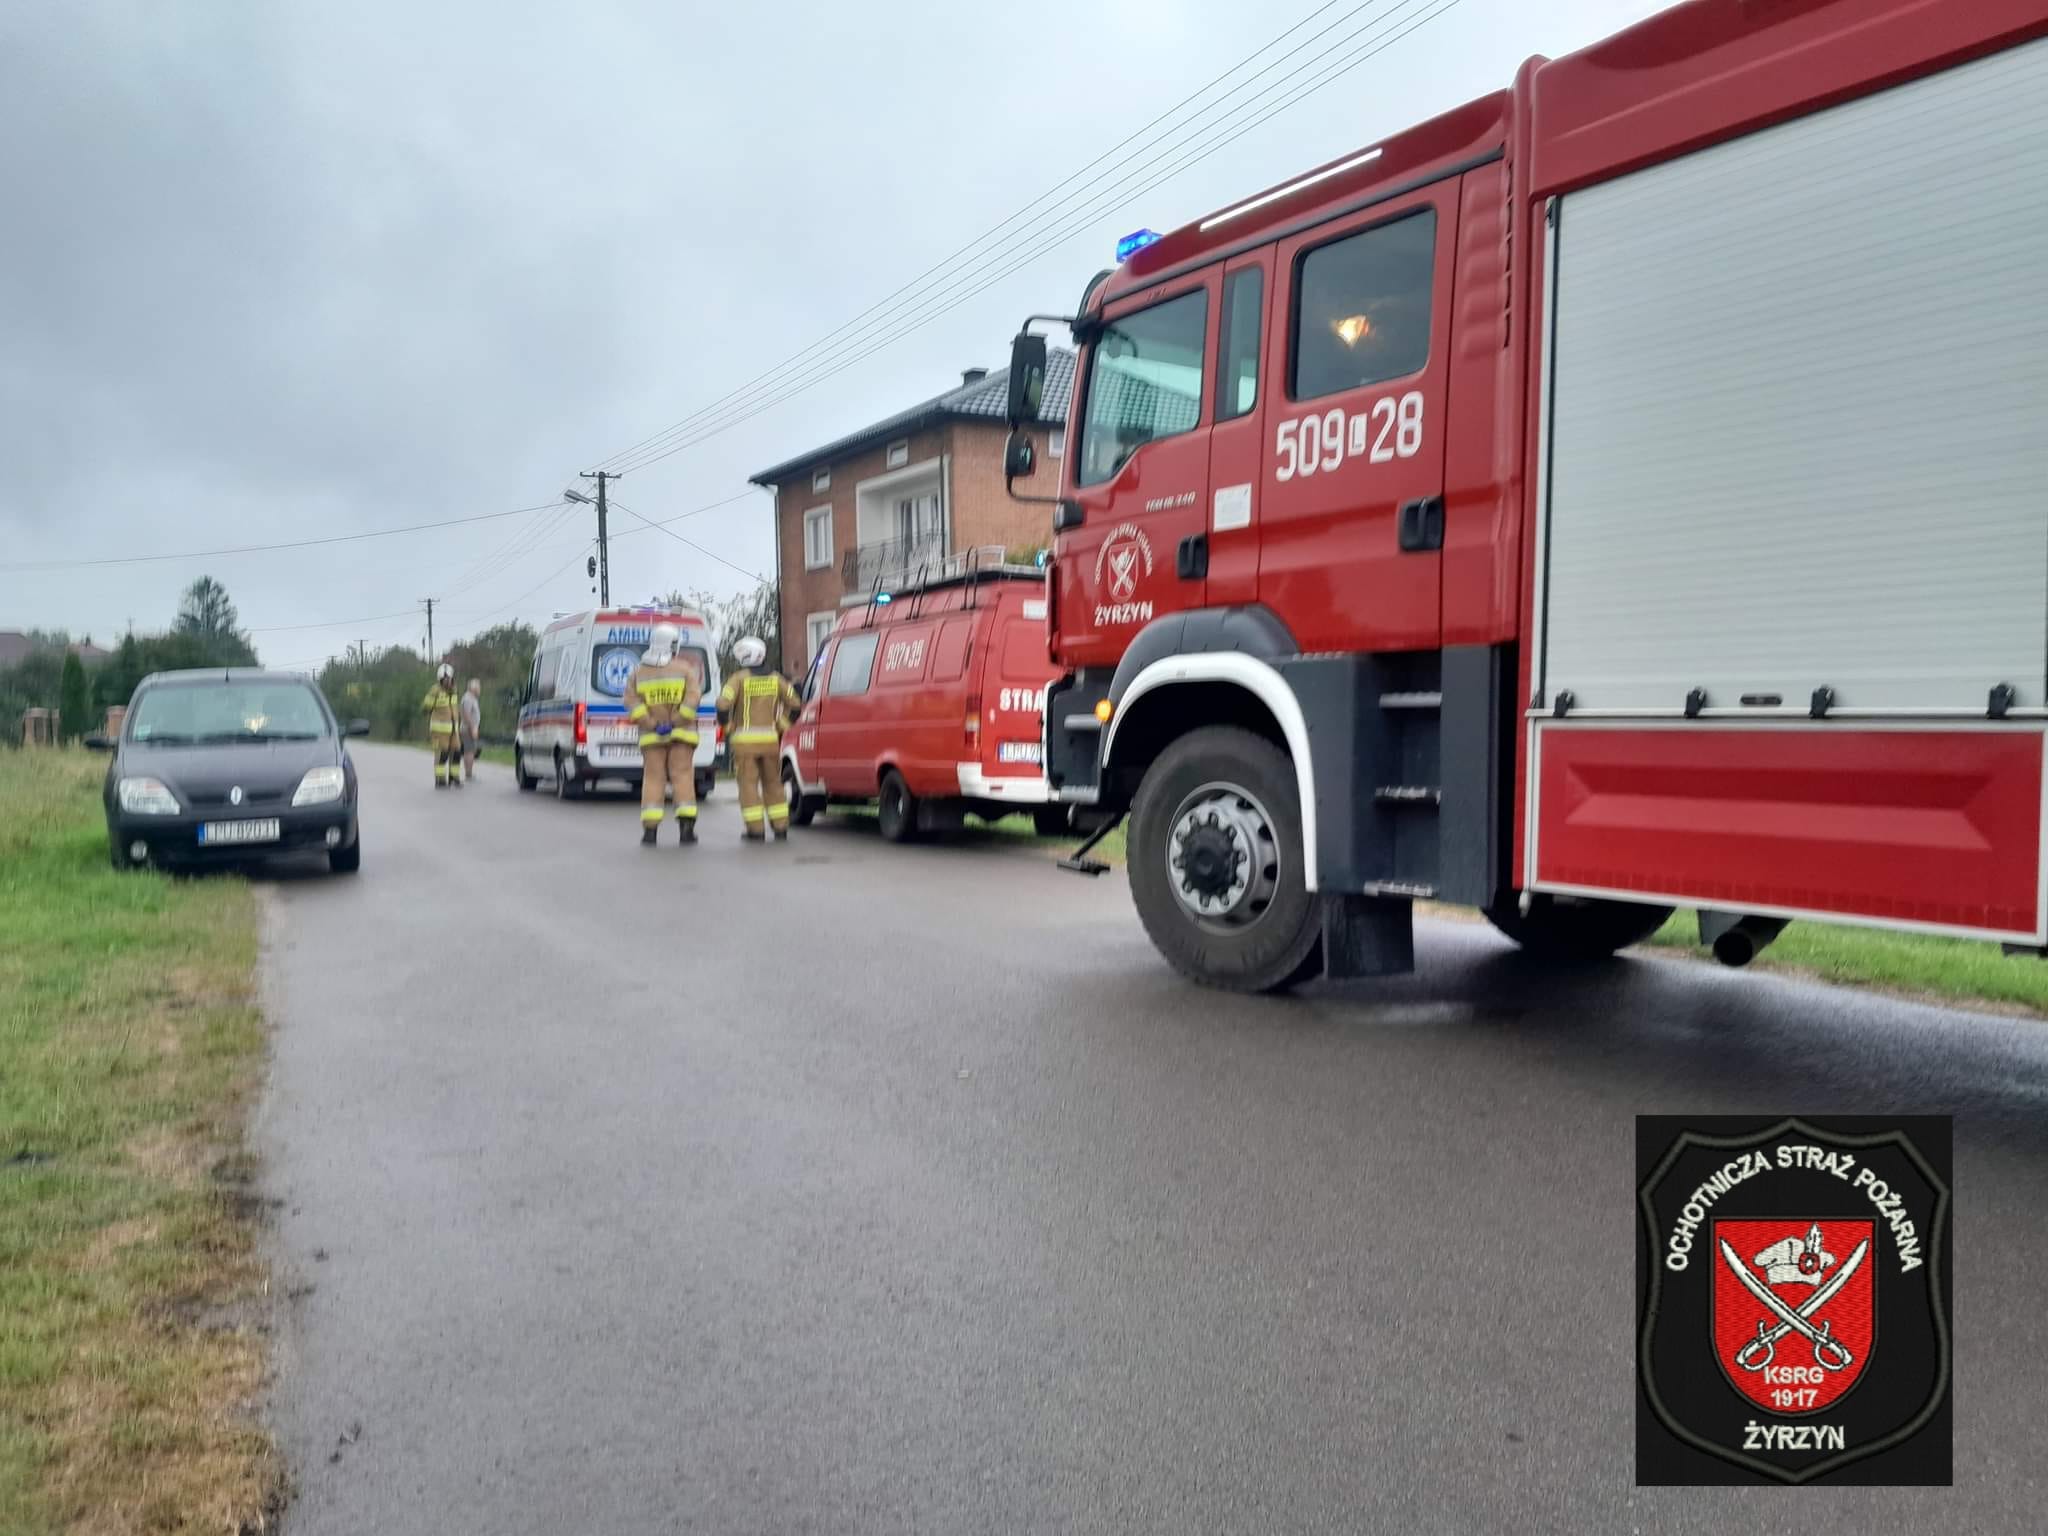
[1560, 931]
[898, 811]
[704, 781]
[1216, 865]
[526, 780]
[802, 809]
[346, 861]
[116, 854]
[566, 785]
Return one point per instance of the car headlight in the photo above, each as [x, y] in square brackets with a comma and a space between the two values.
[319, 786]
[147, 797]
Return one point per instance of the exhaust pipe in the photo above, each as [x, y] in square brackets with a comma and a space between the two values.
[1737, 939]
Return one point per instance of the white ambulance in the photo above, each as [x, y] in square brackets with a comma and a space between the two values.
[572, 721]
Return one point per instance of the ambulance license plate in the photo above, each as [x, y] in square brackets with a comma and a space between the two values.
[1017, 752]
[220, 834]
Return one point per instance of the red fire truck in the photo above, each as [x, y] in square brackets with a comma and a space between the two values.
[1626, 491]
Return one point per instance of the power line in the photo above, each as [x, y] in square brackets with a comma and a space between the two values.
[950, 260]
[736, 407]
[708, 553]
[853, 352]
[252, 549]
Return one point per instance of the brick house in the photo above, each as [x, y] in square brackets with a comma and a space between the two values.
[870, 508]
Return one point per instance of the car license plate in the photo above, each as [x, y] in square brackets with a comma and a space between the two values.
[1017, 752]
[220, 834]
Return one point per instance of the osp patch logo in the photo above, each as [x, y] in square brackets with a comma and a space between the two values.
[1792, 1282]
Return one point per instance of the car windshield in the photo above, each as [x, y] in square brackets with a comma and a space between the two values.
[227, 711]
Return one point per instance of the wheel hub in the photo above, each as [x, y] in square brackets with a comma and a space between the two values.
[1222, 856]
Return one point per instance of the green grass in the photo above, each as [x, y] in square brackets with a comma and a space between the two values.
[1966, 970]
[130, 1039]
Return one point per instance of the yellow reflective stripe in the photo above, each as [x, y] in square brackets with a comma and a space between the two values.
[778, 812]
[727, 693]
[649, 739]
[752, 812]
[686, 813]
[650, 814]
[441, 727]
[637, 712]
[682, 738]
[762, 688]
[687, 738]
[753, 736]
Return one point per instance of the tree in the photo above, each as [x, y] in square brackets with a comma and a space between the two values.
[206, 615]
[757, 613]
[74, 704]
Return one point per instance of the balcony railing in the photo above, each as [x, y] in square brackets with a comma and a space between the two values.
[890, 563]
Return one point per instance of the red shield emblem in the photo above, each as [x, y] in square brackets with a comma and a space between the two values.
[1795, 1309]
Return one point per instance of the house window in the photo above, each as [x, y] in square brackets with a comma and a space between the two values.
[817, 630]
[918, 523]
[821, 479]
[1361, 308]
[1056, 443]
[899, 453]
[817, 538]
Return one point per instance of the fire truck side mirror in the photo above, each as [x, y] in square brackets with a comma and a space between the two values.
[1027, 377]
[1020, 458]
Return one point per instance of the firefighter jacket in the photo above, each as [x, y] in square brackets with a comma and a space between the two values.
[664, 695]
[443, 706]
[756, 707]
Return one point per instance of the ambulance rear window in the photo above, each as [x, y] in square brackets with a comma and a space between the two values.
[611, 667]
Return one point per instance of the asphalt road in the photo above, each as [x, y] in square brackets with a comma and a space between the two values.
[843, 1188]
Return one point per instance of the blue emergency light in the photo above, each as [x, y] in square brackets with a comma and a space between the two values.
[1135, 242]
[883, 597]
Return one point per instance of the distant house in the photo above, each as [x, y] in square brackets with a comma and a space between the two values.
[871, 508]
[16, 646]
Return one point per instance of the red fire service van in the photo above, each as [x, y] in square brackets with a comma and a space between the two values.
[929, 699]
[1625, 491]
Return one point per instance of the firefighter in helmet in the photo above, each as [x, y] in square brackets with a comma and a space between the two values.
[755, 708]
[661, 699]
[443, 707]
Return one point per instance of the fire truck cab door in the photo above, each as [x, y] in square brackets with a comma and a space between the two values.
[1357, 363]
[1141, 479]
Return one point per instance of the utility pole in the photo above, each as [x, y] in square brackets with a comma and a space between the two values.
[430, 629]
[604, 563]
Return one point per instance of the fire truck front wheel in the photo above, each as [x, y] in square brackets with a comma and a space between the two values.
[1216, 863]
[1571, 931]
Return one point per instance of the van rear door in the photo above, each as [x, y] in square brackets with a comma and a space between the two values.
[1016, 672]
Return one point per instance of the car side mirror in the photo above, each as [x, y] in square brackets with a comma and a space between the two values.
[97, 742]
[356, 728]
[1027, 377]
[1020, 457]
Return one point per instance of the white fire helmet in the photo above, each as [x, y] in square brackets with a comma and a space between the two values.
[749, 651]
[661, 645]
[446, 673]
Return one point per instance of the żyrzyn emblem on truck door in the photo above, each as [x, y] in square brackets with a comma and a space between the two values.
[1793, 1296]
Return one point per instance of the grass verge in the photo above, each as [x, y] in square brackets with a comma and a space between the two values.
[130, 1284]
[1911, 964]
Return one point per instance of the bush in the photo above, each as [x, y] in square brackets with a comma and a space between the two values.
[74, 703]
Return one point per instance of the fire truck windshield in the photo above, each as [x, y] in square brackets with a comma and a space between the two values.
[1144, 383]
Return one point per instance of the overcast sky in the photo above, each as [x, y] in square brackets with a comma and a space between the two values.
[284, 271]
